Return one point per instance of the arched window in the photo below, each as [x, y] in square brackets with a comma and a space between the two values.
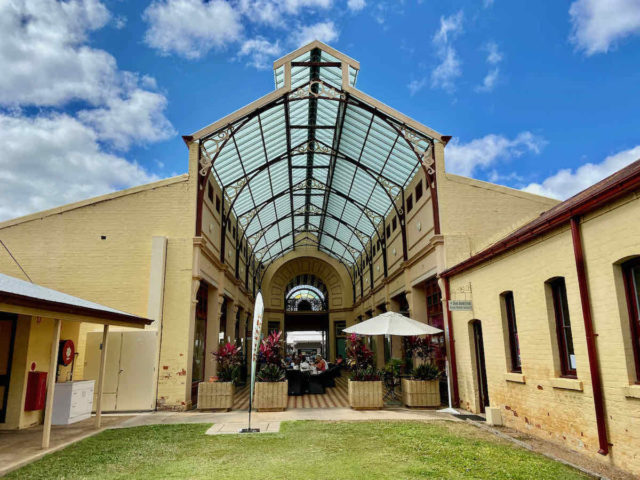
[306, 293]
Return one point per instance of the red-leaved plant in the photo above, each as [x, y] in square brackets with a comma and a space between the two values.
[360, 360]
[229, 357]
[271, 356]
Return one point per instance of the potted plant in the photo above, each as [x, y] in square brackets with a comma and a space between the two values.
[417, 349]
[365, 384]
[423, 388]
[271, 383]
[218, 394]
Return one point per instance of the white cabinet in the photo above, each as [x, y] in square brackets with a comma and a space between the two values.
[72, 402]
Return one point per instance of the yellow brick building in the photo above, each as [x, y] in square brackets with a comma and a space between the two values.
[550, 342]
[314, 184]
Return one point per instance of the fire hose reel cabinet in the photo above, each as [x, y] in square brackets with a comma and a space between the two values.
[36, 391]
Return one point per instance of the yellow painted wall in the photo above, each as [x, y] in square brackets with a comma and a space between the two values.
[63, 249]
[538, 406]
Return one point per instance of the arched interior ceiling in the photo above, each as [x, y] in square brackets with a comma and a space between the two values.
[317, 159]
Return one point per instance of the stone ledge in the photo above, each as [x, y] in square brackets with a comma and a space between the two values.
[632, 391]
[514, 377]
[566, 383]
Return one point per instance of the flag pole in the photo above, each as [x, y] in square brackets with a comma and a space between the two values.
[255, 344]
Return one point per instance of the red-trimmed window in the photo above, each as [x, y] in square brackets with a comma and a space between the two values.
[563, 328]
[631, 271]
[512, 327]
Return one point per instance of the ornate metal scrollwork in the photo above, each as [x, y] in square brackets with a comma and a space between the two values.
[362, 237]
[254, 238]
[373, 216]
[210, 148]
[324, 90]
[232, 190]
[421, 145]
[312, 147]
[310, 183]
[392, 189]
[247, 217]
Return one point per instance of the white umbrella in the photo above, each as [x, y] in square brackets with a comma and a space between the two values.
[392, 323]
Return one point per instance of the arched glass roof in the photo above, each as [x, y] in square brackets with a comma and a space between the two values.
[316, 156]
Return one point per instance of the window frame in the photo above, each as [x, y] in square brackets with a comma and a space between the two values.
[512, 331]
[418, 191]
[633, 306]
[563, 323]
[409, 203]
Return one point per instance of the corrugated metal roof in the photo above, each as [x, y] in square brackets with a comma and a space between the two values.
[11, 288]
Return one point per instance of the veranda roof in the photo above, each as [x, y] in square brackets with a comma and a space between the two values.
[316, 156]
[20, 293]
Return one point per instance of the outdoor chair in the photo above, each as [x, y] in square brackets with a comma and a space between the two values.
[316, 383]
[296, 382]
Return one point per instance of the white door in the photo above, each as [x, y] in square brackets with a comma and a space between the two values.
[130, 369]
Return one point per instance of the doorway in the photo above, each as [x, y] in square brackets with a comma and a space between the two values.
[7, 339]
[481, 371]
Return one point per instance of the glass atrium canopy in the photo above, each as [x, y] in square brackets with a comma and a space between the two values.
[314, 161]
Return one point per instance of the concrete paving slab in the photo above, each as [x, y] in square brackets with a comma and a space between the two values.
[234, 428]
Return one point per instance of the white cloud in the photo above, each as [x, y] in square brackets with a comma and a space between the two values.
[494, 57]
[43, 58]
[191, 28]
[597, 25]
[138, 118]
[450, 66]
[260, 52]
[272, 12]
[487, 3]
[489, 81]
[323, 31]
[416, 85]
[444, 75]
[450, 27]
[465, 158]
[356, 5]
[54, 159]
[567, 182]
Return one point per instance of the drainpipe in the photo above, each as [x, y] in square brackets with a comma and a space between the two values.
[452, 346]
[594, 367]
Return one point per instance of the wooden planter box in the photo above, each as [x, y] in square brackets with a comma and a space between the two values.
[215, 395]
[420, 393]
[366, 395]
[271, 396]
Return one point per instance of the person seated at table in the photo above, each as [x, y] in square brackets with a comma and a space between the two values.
[295, 362]
[321, 363]
[304, 365]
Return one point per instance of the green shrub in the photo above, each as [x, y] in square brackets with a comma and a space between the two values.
[426, 371]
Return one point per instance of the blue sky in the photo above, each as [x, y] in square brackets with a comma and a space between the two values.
[95, 96]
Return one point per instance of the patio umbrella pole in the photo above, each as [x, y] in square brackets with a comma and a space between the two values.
[450, 408]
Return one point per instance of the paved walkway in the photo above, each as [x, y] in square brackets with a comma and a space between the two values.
[326, 414]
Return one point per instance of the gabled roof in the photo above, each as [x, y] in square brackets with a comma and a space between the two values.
[599, 194]
[315, 156]
[18, 292]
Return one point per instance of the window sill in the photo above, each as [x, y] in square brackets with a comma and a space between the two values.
[632, 391]
[514, 377]
[566, 383]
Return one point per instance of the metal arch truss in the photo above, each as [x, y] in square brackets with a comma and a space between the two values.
[351, 251]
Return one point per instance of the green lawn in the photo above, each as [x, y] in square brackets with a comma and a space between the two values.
[302, 450]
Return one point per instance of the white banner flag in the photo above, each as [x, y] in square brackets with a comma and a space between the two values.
[258, 311]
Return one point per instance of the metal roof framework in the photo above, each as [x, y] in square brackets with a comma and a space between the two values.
[318, 157]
